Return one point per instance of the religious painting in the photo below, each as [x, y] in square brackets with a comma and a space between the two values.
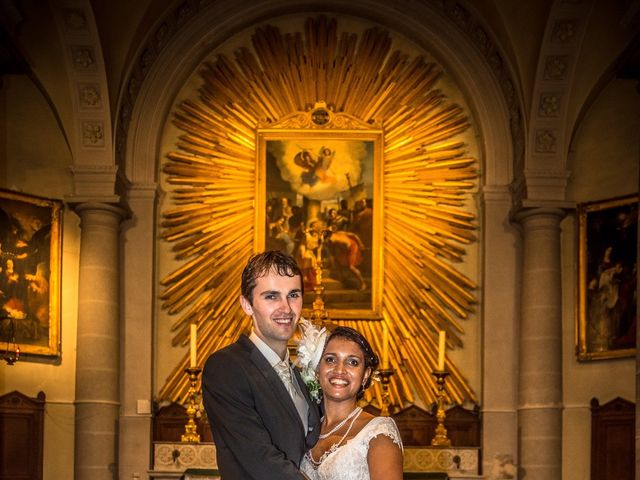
[320, 203]
[607, 278]
[30, 253]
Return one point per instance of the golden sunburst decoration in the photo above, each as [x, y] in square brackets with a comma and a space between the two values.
[427, 177]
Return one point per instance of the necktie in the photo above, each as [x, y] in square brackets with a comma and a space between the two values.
[284, 372]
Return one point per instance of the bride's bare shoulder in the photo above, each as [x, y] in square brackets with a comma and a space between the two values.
[363, 421]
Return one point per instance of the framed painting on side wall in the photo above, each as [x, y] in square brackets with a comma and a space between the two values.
[607, 278]
[30, 253]
[320, 201]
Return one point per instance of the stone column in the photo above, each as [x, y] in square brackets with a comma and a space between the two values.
[540, 370]
[98, 353]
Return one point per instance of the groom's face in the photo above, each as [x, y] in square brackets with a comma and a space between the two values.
[275, 308]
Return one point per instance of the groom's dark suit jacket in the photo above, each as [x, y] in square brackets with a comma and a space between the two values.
[256, 427]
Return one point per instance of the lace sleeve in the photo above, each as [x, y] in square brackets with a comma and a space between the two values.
[383, 426]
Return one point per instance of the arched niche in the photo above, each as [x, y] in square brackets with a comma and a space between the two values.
[167, 65]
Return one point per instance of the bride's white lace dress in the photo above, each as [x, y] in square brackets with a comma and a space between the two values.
[349, 461]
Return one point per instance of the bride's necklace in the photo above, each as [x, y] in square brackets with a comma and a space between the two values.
[356, 411]
[316, 463]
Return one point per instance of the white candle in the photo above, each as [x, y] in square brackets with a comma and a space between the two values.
[192, 349]
[441, 347]
[385, 346]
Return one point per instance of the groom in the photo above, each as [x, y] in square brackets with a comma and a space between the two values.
[261, 415]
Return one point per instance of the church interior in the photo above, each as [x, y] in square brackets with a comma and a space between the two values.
[457, 179]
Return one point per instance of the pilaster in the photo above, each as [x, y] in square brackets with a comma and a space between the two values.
[499, 331]
[137, 332]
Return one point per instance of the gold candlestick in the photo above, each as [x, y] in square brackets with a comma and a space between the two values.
[318, 312]
[191, 428]
[440, 439]
[385, 379]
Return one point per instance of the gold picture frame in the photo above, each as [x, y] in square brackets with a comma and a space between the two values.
[607, 278]
[30, 252]
[319, 199]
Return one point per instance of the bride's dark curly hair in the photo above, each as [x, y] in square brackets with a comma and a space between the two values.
[370, 358]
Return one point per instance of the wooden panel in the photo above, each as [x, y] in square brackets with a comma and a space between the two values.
[612, 440]
[169, 422]
[21, 436]
[417, 426]
[463, 426]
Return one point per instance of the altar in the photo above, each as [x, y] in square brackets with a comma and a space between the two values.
[173, 459]
[197, 461]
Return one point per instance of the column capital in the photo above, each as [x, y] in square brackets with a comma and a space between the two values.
[525, 209]
[117, 210]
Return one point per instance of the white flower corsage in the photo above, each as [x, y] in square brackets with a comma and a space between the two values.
[310, 348]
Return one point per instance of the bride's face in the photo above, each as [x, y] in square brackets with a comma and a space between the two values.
[342, 370]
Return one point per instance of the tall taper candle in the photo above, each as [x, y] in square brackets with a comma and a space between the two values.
[192, 349]
[385, 346]
[441, 347]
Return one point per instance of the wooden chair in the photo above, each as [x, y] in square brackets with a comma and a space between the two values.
[21, 436]
[612, 440]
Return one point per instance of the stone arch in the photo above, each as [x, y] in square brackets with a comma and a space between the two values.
[90, 134]
[549, 132]
[188, 33]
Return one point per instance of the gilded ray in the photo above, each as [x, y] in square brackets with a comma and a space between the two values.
[427, 179]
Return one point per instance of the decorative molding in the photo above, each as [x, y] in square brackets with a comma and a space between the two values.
[94, 169]
[171, 24]
[555, 67]
[83, 58]
[453, 460]
[180, 456]
[548, 124]
[74, 20]
[93, 133]
[90, 134]
[548, 184]
[481, 40]
[546, 173]
[549, 105]
[321, 117]
[546, 141]
[89, 96]
[564, 31]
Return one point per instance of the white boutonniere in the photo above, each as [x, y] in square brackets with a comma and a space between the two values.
[309, 352]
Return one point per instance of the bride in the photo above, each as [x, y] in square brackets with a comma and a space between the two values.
[353, 444]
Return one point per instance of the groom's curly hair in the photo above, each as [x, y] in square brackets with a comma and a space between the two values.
[261, 264]
[370, 358]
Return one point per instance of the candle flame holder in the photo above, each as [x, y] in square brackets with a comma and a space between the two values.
[440, 439]
[318, 312]
[191, 434]
[385, 379]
